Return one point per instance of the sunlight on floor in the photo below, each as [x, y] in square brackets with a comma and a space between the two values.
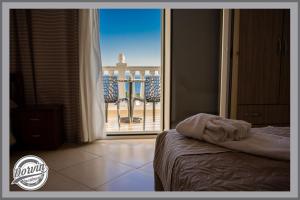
[104, 165]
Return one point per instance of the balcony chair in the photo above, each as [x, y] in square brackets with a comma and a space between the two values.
[111, 94]
[151, 94]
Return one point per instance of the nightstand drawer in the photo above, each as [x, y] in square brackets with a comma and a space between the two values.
[36, 120]
[36, 132]
[36, 138]
[39, 127]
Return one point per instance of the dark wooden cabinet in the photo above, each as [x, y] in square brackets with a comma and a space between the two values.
[260, 115]
[284, 93]
[263, 87]
[38, 126]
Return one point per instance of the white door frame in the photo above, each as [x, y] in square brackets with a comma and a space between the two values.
[167, 70]
[225, 63]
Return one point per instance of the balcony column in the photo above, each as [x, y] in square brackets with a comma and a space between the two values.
[152, 72]
[121, 76]
[132, 73]
[142, 83]
[109, 72]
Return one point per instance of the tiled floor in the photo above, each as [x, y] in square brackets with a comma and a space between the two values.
[105, 165]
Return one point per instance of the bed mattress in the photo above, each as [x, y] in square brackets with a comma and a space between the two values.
[184, 164]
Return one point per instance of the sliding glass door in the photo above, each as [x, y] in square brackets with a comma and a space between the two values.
[130, 42]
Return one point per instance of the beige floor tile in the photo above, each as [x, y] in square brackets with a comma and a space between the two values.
[101, 149]
[132, 181]
[61, 159]
[148, 146]
[138, 141]
[148, 168]
[65, 156]
[98, 149]
[109, 141]
[86, 167]
[58, 182]
[132, 155]
[95, 172]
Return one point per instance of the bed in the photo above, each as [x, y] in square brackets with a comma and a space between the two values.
[185, 164]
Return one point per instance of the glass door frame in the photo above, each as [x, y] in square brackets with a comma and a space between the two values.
[165, 22]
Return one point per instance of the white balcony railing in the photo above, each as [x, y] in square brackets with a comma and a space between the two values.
[122, 69]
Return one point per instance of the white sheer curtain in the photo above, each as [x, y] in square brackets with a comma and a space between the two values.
[91, 92]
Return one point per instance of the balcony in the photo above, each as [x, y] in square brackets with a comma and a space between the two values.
[124, 72]
[150, 126]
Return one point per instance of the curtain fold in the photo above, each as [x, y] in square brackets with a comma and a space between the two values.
[90, 70]
[48, 38]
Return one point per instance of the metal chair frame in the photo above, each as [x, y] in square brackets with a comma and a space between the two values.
[111, 95]
[151, 95]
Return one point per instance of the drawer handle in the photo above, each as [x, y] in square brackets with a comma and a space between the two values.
[34, 119]
[36, 135]
[252, 114]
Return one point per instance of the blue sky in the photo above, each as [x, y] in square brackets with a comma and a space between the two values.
[135, 32]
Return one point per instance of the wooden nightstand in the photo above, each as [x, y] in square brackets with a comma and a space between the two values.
[38, 126]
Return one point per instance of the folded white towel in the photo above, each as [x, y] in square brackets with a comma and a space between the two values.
[212, 128]
[262, 144]
[236, 135]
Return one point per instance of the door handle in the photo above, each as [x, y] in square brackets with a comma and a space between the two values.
[253, 114]
[285, 47]
[36, 135]
[279, 46]
[34, 119]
